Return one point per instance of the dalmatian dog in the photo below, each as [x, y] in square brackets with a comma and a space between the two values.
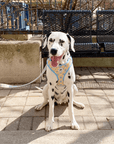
[60, 87]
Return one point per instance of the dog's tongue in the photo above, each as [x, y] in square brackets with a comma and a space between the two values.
[54, 60]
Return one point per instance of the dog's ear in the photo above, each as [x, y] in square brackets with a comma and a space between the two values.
[71, 39]
[45, 40]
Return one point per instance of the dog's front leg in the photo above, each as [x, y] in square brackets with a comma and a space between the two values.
[51, 109]
[70, 93]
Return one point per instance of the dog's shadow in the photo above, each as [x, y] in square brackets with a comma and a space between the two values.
[36, 120]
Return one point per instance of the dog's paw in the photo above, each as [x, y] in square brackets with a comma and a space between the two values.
[39, 107]
[75, 126]
[49, 127]
[82, 106]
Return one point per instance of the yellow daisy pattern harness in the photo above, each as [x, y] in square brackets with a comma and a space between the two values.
[60, 71]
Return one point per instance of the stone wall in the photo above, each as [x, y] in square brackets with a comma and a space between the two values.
[20, 61]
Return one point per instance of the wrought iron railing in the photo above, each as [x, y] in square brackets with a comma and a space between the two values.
[25, 16]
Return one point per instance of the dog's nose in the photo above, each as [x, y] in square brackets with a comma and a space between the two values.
[53, 51]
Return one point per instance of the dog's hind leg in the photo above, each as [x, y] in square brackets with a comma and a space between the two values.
[77, 104]
[45, 94]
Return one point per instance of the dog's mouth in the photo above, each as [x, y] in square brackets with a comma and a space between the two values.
[55, 60]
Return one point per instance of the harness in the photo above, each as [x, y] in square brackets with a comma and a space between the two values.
[60, 71]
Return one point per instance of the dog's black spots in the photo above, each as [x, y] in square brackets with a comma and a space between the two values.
[68, 73]
[63, 92]
[57, 81]
[69, 77]
[50, 83]
[52, 97]
[61, 44]
[68, 100]
[56, 87]
[69, 37]
[56, 93]
[55, 103]
[48, 34]
[61, 41]
[68, 94]
[52, 90]
[51, 40]
[63, 56]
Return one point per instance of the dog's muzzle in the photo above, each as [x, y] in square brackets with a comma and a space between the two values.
[53, 51]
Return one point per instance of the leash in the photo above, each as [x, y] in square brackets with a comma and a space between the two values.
[17, 86]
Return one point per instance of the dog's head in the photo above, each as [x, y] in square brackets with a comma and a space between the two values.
[58, 44]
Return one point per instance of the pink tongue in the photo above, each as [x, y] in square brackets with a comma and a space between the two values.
[54, 60]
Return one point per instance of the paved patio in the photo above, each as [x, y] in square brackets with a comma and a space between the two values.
[21, 124]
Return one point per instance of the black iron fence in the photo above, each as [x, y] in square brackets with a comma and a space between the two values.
[25, 16]
[80, 18]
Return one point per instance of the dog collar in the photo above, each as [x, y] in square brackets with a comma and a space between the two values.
[60, 71]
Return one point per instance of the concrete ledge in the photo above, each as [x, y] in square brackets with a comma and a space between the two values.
[19, 37]
[94, 62]
[20, 61]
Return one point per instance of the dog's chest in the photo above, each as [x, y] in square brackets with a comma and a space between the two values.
[61, 94]
[60, 71]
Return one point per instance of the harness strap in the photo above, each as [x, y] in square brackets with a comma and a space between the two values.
[60, 71]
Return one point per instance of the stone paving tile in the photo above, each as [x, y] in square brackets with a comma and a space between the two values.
[90, 123]
[59, 110]
[33, 93]
[15, 101]
[13, 124]
[78, 84]
[55, 124]
[1, 88]
[80, 121]
[4, 93]
[34, 100]
[103, 124]
[33, 86]
[106, 84]
[111, 121]
[83, 112]
[25, 123]
[94, 92]
[80, 92]
[100, 76]
[102, 110]
[38, 123]
[109, 92]
[3, 123]
[2, 100]
[14, 111]
[98, 100]
[94, 70]
[111, 99]
[43, 84]
[18, 93]
[89, 84]
[64, 122]
[81, 99]
[30, 111]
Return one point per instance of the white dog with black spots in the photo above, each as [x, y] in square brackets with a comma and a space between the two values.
[60, 87]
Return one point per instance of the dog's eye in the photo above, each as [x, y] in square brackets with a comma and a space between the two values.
[61, 41]
[51, 40]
